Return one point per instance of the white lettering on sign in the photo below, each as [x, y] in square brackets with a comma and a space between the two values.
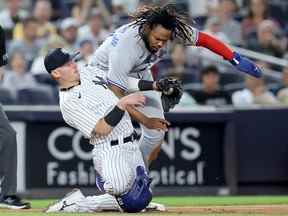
[62, 177]
[171, 176]
[187, 138]
[76, 149]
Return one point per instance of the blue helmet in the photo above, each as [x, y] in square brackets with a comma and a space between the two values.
[139, 196]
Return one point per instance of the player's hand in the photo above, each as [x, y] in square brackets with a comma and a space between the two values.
[135, 99]
[157, 124]
[102, 129]
[167, 85]
[245, 65]
[102, 132]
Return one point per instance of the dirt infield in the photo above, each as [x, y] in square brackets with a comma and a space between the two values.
[247, 209]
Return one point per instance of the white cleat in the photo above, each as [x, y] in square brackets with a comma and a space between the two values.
[155, 207]
[67, 203]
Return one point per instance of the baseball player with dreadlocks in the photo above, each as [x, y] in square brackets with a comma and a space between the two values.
[128, 54]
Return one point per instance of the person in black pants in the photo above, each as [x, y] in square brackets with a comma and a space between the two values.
[8, 152]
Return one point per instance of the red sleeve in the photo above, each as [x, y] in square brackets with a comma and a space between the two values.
[215, 45]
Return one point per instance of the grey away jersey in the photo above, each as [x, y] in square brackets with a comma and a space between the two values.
[84, 105]
[124, 54]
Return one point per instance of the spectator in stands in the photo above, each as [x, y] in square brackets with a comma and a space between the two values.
[203, 8]
[29, 45]
[257, 12]
[268, 40]
[120, 10]
[212, 27]
[60, 9]
[18, 77]
[176, 66]
[278, 9]
[43, 12]
[126, 6]
[69, 32]
[12, 15]
[282, 93]
[86, 50]
[53, 42]
[1, 74]
[229, 26]
[80, 11]
[255, 93]
[211, 93]
[94, 30]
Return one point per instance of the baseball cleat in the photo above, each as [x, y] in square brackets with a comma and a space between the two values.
[67, 203]
[14, 202]
[155, 207]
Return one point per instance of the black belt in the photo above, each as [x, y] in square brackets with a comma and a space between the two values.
[130, 138]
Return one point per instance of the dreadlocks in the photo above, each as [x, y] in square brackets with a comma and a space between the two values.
[167, 16]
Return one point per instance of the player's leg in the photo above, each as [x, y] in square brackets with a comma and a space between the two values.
[118, 167]
[104, 202]
[116, 170]
[8, 166]
[114, 176]
[8, 156]
[151, 140]
[134, 160]
[75, 201]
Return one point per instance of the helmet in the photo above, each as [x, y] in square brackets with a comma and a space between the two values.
[139, 196]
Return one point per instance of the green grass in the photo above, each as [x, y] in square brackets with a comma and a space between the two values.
[224, 200]
[202, 201]
[172, 202]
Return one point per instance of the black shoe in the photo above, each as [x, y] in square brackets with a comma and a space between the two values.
[14, 202]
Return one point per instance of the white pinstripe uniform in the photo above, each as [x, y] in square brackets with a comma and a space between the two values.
[81, 107]
[124, 55]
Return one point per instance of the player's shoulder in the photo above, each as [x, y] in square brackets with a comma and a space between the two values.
[129, 28]
[128, 38]
[128, 32]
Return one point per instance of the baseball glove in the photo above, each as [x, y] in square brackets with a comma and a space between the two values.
[171, 92]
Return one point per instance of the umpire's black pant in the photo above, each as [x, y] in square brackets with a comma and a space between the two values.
[8, 156]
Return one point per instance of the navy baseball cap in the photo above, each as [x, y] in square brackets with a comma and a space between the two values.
[57, 58]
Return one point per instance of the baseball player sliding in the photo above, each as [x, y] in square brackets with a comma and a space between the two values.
[127, 55]
[89, 106]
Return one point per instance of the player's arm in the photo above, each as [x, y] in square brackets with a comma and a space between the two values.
[241, 63]
[105, 125]
[135, 84]
[91, 123]
[151, 123]
[164, 85]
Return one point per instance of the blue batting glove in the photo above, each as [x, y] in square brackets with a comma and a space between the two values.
[245, 65]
